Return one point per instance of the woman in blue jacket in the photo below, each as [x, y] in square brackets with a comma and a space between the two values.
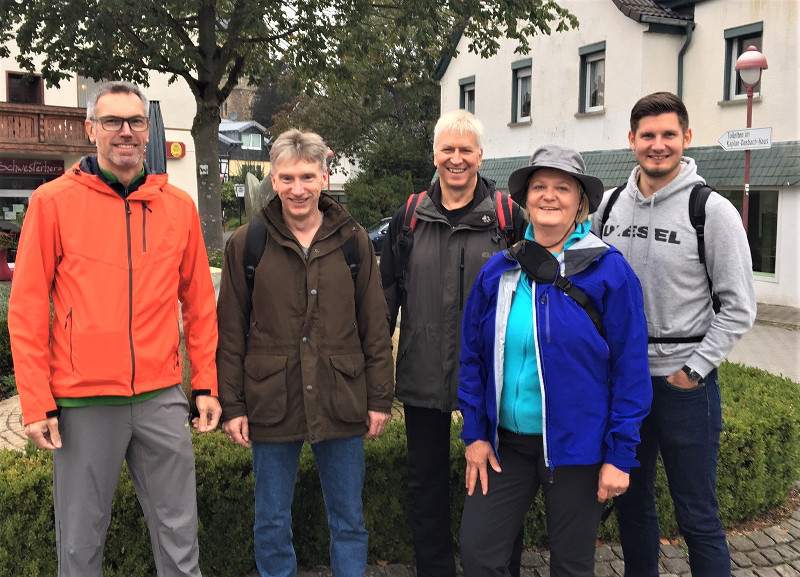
[554, 381]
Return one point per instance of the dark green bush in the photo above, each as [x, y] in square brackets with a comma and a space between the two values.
[759, 462]
[215, 258]
[6, 362]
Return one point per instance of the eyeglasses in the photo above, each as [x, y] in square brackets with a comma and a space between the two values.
[114, 123]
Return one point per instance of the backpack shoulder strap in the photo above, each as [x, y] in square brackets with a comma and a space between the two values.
[405, 236]
[350, 251]
[540, 265]
[697, 216]
[505, 217]
[607, 211]
[253, 249]
[410, 216]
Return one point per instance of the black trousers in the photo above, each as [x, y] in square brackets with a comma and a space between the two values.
[428, 438]
[492, 522]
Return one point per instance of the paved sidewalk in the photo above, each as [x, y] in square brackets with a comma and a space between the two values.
[772, 345]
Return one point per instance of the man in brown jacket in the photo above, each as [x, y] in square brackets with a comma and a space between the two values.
[308, 360]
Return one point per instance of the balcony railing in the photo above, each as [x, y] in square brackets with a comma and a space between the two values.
[36, 128]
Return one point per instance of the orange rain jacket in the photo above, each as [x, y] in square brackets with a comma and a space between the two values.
[115, 269]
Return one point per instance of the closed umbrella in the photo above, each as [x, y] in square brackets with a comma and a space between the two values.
[157, 145]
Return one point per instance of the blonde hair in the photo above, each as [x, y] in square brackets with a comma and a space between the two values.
[460, 122]
[296, 144]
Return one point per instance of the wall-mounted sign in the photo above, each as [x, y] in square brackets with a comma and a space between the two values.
[31, 166]
[176, 149]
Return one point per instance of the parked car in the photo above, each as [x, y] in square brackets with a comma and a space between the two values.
[377, 232]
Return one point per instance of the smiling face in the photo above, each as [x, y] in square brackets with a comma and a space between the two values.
[659, 143]
[553, 201]
[121, 153]
[457, 158]
[298, 183]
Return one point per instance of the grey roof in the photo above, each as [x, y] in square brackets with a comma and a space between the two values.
[226, 125]
[652, 11]
[225, 140]
[776, 166]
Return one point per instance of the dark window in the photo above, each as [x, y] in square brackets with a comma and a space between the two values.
[25, 89]
[762, 226]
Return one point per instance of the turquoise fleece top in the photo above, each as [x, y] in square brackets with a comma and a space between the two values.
[521, 398]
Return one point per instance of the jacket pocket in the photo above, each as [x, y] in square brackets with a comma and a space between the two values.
[265, 392]
[349, 398]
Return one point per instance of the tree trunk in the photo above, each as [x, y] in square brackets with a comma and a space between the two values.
[205, 130]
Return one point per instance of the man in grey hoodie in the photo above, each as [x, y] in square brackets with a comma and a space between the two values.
[650, 225]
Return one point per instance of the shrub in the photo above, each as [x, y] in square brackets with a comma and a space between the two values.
[759, 462]
[215, 258]
[8, 387]
[6, 362]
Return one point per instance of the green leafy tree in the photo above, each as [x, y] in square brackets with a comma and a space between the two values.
[212, 44]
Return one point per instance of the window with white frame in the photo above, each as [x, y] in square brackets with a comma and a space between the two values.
[466, 98]
[736, 42]
[251, 141]
[86, 87]
[593, 77]
[521, 95]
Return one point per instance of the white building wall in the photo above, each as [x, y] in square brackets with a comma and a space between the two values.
[639, 62]
[777, 105]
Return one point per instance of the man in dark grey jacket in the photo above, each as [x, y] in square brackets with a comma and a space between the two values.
[456, 233]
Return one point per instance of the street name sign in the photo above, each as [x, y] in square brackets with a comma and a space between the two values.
[746, 139]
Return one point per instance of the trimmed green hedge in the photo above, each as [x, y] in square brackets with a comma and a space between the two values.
[759, 462]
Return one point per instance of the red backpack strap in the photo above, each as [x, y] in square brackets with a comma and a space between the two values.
[410, 217]
[505, 217]
[405, 237]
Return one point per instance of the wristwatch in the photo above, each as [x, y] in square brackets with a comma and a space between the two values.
[692, 374]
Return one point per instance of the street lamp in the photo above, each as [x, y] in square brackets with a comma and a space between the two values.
[749, 64]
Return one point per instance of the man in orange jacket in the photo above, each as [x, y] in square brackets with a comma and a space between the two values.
[115, 248]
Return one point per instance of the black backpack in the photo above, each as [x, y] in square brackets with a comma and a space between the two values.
[256, 241]
[697, 216]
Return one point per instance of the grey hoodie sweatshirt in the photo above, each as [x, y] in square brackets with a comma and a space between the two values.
[657, 238]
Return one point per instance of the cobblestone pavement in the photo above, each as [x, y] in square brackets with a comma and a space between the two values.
[771, 345]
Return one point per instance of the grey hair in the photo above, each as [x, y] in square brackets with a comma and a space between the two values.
[114, 87]
[460, 122]
[295, 144]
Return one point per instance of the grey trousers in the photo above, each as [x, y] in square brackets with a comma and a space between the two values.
[154, 438]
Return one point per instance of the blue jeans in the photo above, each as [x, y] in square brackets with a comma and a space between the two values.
[685, 426]
[340, 463]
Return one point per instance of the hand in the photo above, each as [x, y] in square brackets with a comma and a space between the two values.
[681, 380]
[477, 455]
[611, 483]
[376, 422]
[45, 434]
[210, 412]
[238, 431]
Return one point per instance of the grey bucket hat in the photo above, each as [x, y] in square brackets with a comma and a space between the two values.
[561, 158]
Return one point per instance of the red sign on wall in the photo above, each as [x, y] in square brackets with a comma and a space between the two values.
[176, 149]
[31, 166]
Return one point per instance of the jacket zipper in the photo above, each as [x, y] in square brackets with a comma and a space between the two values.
[461, 282]
[145, 210]
[545, 399]
[68, 321]
[130, 293]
